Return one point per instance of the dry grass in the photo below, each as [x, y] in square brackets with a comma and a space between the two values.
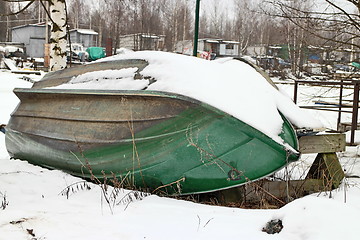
[4, 201]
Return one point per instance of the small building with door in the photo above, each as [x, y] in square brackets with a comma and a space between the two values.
[142, 41]
[216, 47]
[256, 50]
[33, 38]
[85, 37]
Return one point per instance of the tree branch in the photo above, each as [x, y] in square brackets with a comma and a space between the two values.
[345, 13]
[21, 10]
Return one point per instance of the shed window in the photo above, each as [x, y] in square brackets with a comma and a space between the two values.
[230, 46]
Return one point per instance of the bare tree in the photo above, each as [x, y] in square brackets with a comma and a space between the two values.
[217, 19]
[98, 23]
[176, 21]
[295, 27]
[116, 17]
[14, 13]
[78, 14]
[204, 25]
[58, 36]
[4, 21]
[246, 22]
[336, 22]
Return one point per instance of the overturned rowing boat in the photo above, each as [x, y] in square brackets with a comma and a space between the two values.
[159, 141]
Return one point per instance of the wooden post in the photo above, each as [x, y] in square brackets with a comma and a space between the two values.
[46, 56]
[340, 105]
[108, 48]
[354, 113]
[327, 168]
[325, 143]
[295, 91]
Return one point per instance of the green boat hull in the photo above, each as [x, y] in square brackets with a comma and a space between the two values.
[154, 141]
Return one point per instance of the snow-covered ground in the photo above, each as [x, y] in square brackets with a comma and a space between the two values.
[33, 206]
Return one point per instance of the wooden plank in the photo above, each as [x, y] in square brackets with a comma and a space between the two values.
[346, 126]
[334, 104]
[326, 143]
[327, 167]
[265, 193]
[349, 75]
[20, 71]
[10, 64]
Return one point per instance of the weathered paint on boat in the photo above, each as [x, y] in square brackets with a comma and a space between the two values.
[158, 141]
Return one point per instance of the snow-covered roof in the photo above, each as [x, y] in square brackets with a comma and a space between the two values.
[30, 25]
[144, 35]
[275, 47]
[84, 31]
[231, 42]
[212, 41]
[315, 47]
[227, 84]
[13, 49]
[150, 36]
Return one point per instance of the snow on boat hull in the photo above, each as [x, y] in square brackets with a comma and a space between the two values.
[159, 141]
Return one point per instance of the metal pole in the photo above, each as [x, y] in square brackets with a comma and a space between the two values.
[295, 91]
[196, 31]
[355, 113]
[340, 106]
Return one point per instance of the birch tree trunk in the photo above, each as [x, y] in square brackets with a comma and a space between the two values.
[58, 35]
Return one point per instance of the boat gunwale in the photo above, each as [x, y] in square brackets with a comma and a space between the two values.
[91, 120]
[139, 93]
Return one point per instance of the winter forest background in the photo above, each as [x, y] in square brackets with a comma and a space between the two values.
[247, 21]
[295, 23]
